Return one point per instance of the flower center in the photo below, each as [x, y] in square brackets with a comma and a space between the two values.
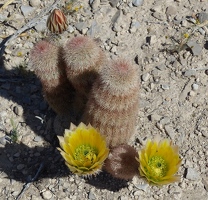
[158, 166]
[85, 154]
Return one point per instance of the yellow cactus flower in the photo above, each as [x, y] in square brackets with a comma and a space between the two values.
[159, 161]
[83, 149]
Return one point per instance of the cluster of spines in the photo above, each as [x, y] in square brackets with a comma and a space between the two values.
[83, 58]
[113, 104]
[49, 68]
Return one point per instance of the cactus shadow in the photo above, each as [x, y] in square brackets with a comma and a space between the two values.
[24, 89]
[104, 180]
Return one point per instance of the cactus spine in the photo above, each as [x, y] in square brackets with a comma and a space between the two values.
[83, 57]
[113, 104]
[49, 68]
[121, 162]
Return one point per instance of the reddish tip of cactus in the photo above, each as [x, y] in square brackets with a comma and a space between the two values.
[120, 76]
[121, 162]
[82, 53]
[41, 47]
[83, 58]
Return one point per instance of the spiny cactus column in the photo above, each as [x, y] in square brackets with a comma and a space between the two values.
[49, 68]
[121, 162]
[83, 58]
[113, 104]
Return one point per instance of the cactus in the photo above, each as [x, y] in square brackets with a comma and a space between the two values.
[121, 162]
[49, 68]
[113, 104]
[83, 57]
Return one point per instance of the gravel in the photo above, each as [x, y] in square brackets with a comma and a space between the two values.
[173, 96]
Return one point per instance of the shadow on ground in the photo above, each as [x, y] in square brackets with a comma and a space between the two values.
[22, 163]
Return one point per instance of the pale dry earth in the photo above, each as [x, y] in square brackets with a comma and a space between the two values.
[173, 96]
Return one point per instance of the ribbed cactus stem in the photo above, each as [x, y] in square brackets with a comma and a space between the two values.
[83, 58]
[113, 104]
[121, 162]
[49, 68]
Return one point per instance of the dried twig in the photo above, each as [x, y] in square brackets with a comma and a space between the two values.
[27, 26]
[6, 4]
[27, 185]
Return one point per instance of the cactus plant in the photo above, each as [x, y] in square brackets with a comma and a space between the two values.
[113, 104]
[83, 57]
[49, 68]
[121, 162]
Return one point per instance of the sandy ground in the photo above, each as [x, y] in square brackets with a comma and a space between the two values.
[173, 96]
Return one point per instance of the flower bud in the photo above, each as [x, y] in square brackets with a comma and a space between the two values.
[57, 22]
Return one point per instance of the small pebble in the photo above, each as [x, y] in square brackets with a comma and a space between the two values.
[113, 3]
[195, 47]
[192, 174]
[145, 77]
[137, 2]
[155, 117]
[47, 194]
[27, 10]
[190, 72]
[192, 93]
[170, 131]
[18, 110]
[171, 10]
[35, 3]
[158, 15]
[20, 166]
[195, 86]
[91, 195]
[165, 86]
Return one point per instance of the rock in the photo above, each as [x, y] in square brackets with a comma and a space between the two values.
[192, 174]
[3, 140]
[190, 72]
[151, 39]
[41, 26]
[195, 87]
[113, 3]
[27, 10]
[80, 26]
[192, 93]
[91, 195]
[170, 131]
[145, 77]
[165, 86]
[195, 47]
[35, 3]
[155, 117]
[202, 17]
[3, 17]
[70, 29]
[37, 139]
[137, 2]
[205, 182]
[18, 110]
[170, 10]
[158, 15]
[95, 4]
[47, 194]
[165, 120]
[20, 166]
[134, 26]
[144, 187]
